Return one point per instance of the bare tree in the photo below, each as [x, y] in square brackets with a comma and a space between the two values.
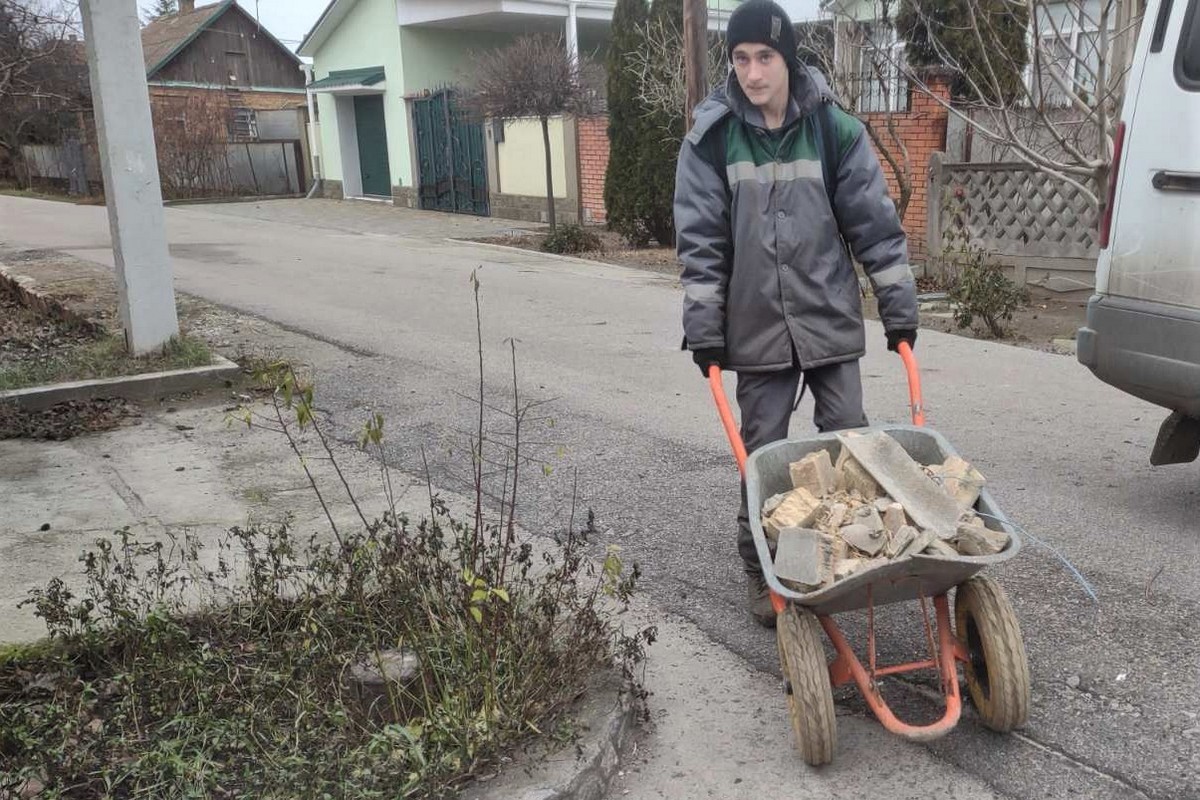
[867, 84]
[1061, 118]
[43, 73]
[191, 136]
[658, 65]
[533, 78]
[161, 8]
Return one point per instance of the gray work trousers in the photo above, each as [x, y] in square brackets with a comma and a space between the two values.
[767, 400]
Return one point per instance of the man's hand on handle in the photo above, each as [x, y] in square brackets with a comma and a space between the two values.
[709, 357]
[894, 338]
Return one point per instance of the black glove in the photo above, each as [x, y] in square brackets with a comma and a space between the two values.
[894, 338]
[705, 358]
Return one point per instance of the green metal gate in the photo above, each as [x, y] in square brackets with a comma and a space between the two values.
[452, 170]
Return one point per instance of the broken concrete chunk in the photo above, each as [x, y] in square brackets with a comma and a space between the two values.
[894, 518]
[837, 515]
[863, 538]
[796, 511]
[773, 502]
[847, 567]
[904, 480]
[917, 545]
[882, 504]
[867, 515]
[840, 548]
[380, 685]
[979, 541]
[962, 482]
[805, 558]
[900, 540]
[858, 481]
[939, 548]
[815, 473]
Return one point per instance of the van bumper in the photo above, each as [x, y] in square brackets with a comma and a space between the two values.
[1149, 350]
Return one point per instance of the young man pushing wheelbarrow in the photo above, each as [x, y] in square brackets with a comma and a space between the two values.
[777, 194]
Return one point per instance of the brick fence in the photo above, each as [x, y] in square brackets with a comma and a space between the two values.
[922, 130]
[593, 164]
[923, 133]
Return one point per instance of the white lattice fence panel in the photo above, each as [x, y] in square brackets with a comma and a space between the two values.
[1016, 210]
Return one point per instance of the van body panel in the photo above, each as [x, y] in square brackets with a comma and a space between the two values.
[1143, 325]
[1154, 246]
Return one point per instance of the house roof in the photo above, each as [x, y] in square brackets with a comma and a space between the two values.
[167, 36]
[367, 76]
[325, 24]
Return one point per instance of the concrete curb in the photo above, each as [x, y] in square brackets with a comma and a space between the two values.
[537, 253]
[149, 386]
[582, 770]
[209, 201]
[21, 288]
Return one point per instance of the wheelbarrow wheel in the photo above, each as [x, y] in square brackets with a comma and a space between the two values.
[997, 669]
[806, 680]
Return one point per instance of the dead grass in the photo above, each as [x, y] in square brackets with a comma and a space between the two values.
[103, 358]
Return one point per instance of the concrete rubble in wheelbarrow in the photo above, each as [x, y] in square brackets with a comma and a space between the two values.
[874, 505]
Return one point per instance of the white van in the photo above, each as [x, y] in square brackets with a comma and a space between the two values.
[1143, 324]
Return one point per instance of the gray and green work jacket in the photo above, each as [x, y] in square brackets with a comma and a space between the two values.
[763, 244]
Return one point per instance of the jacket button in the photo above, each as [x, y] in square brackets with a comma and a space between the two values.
[784, 267]
[781, 214]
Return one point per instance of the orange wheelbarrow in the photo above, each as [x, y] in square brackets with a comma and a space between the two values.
[985, 639]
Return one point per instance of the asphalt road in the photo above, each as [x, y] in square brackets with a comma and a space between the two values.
[1066, 456]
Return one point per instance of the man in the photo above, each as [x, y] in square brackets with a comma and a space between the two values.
[776, 187]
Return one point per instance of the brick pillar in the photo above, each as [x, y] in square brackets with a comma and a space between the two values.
[924, 136]
[593, 165]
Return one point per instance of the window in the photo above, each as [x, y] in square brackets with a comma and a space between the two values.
[880, 84]
[1052, 63]
[243, 125]
[237, 65]
[1087, 62]
[1187, 59]
[1069, 49]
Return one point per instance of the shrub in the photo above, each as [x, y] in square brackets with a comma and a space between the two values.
[982, 292]
[571, 239]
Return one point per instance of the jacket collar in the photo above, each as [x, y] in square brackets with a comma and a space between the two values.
[807, 86]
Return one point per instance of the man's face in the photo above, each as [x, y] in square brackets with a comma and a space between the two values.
[761, 72]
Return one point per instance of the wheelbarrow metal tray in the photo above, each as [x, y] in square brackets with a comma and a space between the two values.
[767, 474]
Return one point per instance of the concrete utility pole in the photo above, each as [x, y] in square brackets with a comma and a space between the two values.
[695, 53]
[129, 163]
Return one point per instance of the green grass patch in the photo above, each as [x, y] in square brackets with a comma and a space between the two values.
[104, 358]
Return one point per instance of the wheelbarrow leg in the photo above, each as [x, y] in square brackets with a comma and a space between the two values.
[846, 667]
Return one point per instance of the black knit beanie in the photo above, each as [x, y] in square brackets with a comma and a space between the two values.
[763, 22]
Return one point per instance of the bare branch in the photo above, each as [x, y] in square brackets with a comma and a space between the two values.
[658, 65]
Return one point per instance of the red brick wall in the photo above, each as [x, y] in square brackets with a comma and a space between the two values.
[923, 132]
[593, 164]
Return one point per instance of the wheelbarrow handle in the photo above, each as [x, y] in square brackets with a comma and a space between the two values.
[916, 404]
[915, 400]
[731, 428]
